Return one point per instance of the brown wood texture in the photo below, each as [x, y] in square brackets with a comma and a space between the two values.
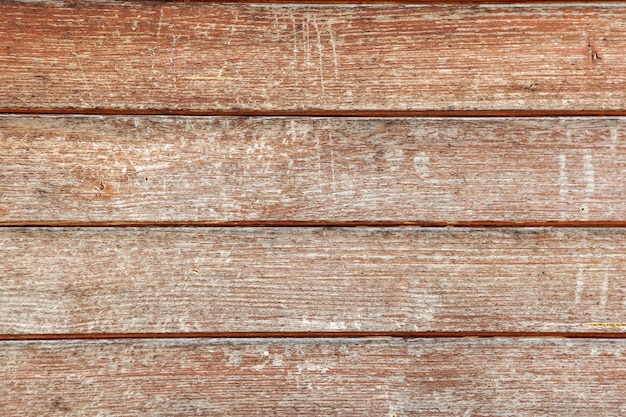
[162, 57]
[164, 118]
[471, 377]
[92, 169]
[143, 280]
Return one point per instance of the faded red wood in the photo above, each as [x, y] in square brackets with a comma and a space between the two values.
[127, 280]
[471, 377]
[203, 57]
[64, 170]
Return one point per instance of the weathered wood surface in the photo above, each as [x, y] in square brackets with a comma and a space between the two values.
[471, 377]
[125, 169]
[163, 56]
[127, 280]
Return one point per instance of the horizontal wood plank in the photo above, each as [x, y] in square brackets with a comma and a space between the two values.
[471, 377]
[232, 169]
[201, 57]
[144, 280]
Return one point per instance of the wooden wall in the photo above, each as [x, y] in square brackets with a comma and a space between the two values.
[407, 209]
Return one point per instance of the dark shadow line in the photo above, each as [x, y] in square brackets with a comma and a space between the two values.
[314, 223]
[308, 335]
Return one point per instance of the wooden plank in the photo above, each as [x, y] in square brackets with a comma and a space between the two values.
[145, 280]
[202, 57]
[212, 170]
[471, 377]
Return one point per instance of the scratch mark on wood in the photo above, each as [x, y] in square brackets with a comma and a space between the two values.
[276, 25]
[307, 45]
[159, 23]
[173, 59]
[334, 47]
[295, 38]
[229, 41]
[207, 77]
[84, 76]
[130, 161]
[320, 52]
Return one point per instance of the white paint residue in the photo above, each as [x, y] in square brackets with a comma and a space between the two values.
[394, 159]
[613, 139]
[292, 134]
[150, 167]
[314, 367]
[235, 358]
[563, 184]
[590, 174]
[421, 163]
[425, 305]
[590, 180]
[319, 325]
[332, 165]
[580, 283]
[563, 176]
[319, 162]
[337, 326]
[604, 294]
[277, 360]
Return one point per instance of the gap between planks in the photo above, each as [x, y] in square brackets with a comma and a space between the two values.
[317, 113]
[311, 335]
[518, 3]
[321, 224]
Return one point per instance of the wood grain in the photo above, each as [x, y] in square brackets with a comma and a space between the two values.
[64, 170]
[143, 280]
[161, 56]
[471, 377]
